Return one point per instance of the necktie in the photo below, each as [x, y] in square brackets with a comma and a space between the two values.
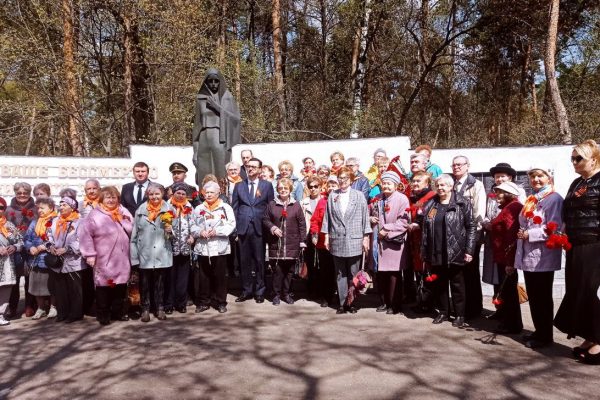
[138, 200]
[251, 190]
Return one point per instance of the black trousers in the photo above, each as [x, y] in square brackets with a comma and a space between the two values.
[15, 295]
[310, 257]
[152, 286]
[539, 292]
[109, 302]
[449, 275]
[473, 294]
[88, 290]
[510, 309]
[68, 295]
[390, 287]
[252, 256]
[177, 282]
[212, 281]
[282, 276]
[326, 275]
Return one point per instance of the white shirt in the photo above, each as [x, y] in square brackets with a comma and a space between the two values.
[255, 186]
[344, 199]
[137, 188]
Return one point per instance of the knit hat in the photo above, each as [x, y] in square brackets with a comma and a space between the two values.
[178, 186]
[391, 176]
[548, 171]
[508, 187]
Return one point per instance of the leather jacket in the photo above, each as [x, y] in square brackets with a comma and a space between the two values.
[581, 211]
[460, 230]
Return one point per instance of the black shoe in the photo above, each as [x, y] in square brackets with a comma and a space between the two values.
[222, 309]
[538, 344]
[104, 322]
[242, 298]
[181, 310]
[288, 299]
[381, 308]
[341, 310]
[529, 336]
[351, 309]
[276, 301]
[202, 308]
[579, 352]
[124, 318]
[439, 319]
[324, 304]
[458, 322]
[145, 316]
[259, 299]
[60, 319]
[494, 316]
[420, 309]
[590, 359]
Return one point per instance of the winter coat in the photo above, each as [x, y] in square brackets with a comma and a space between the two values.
[31, 239]
[7, 267]
[182, 230]
[222, 219]
[581, 211]
[460, 230]
[108, 242]
[418, 202]
[532, 254]
[346, 231]
[150, 244]
[503, 233]
[293, 226]
[73, 261]
[21, 216]
[393, 217]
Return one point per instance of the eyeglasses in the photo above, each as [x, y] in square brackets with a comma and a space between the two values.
[2, 207]
[458, 165]
[22, 193]
[343, 178]
[576, 159]
[313, 187]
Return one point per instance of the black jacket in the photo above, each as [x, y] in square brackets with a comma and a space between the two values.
[460, 230]
[581, 211]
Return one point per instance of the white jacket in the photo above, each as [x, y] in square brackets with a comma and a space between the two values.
[222, 220]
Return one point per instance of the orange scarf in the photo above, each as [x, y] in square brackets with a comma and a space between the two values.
[114, 212]
[179, 206]
[40, 226]
[532, 201]
[88, 202]
[3, 228]
[234, 180]
[153, 211]
[62, 223]
[212, 207]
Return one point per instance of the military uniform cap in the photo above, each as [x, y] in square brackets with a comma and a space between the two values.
[177, 167]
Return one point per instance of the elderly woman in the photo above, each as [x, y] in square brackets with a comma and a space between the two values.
[182, 242]
[91, 197]
[64, 242]
[20, 213]
[214, 222]
[41, 190]
[285, 222]
[337, 161]
[309, 205]
[326, 278]
[323, 172]
[35, 241]
[448, 244]
[346, 227]
[382, 165]
[233, 177]
[286, 170]
[10, 243]
[503, 237]
[104, 242]
[389, 218]
[267, 173]
[151, 249]
[534, 258]
[579, 312]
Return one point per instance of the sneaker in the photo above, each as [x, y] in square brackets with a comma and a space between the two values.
[3, 321]
[39, 314]
[52, 313]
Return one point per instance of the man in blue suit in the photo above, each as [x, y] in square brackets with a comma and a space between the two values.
[249, 200]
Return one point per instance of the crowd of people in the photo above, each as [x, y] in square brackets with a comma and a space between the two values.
[417, 233]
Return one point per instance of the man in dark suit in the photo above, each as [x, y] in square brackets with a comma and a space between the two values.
[249, 201]
[246, 155]
[134, 193]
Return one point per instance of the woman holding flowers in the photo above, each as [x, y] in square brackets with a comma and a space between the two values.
[151, 248]
[579, 313]
[214, 222]
[10, 243]
[35, 240]
[284, 220]
[104, 242]
[182, 242]
[503, 239]
[64, 242]
[537, 261]
[389, 218]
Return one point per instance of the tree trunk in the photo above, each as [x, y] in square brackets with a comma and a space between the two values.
[359, 75]
[222, 41]
[72, 99]
[238, 67]
[30, 135]
[277, 59]
[550, 69]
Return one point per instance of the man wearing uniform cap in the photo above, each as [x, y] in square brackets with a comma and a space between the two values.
[179, 173]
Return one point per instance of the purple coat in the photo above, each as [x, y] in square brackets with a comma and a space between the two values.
[392, 256]
[108, 241]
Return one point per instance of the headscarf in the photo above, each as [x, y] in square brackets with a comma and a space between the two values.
[115, 213]
[40, 225]
[153, 210]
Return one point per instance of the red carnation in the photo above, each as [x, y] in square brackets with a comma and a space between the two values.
[24, 211]
[172, 213]
[428, 279]
[537, 220]
[202, 212]
[386, 208]
[433, 277]
[284, 213]
[568, 246]
[551, 227]
[223, 216]
[492, 195]
[22, 228]
[187, 210]
[48, 223]
[529, 214]
[497, 301]
[111, 283]
[12, 214]
[194, 194]
[44, 237]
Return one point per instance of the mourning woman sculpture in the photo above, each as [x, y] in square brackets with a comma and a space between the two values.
[216, 126]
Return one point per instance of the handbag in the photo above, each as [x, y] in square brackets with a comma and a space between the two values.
[400, 239]
[54, 262]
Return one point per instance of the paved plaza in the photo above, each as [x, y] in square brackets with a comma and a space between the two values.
[300, 351]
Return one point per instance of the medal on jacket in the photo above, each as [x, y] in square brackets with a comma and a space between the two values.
[432, 213]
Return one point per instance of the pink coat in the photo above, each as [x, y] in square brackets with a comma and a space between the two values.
[392, 256]
[108, 241]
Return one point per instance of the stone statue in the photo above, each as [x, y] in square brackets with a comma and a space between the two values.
[216, 126]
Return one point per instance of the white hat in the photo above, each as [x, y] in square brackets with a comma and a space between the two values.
[508, 187]
[548, 171]
[332, 178]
